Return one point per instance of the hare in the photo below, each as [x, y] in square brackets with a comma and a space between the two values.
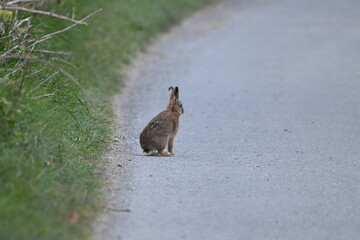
[161, 130]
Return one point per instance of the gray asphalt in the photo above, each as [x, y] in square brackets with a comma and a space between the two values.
[269, 145]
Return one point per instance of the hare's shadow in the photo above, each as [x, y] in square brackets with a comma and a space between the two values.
[154, 156]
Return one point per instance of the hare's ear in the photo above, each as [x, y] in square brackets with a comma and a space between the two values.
[171, 92]
[176, 92]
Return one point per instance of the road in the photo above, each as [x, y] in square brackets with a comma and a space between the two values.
[268, 147]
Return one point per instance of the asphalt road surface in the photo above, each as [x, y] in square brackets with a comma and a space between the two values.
[269, 145]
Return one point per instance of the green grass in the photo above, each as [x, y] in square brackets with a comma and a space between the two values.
[50, 152]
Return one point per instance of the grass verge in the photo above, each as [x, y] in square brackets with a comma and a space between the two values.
[50, 155]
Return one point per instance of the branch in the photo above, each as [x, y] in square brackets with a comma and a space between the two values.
[24, 57]
[45, 95]
[50, 35]
[42, 82]
[37, 71]
[53, 52]
[64, 61]
[16, 8]
[18, 57]
[20, 1]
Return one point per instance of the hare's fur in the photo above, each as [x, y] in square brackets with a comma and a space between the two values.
[161, 130]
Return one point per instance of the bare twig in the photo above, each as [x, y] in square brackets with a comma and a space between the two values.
[72, 78]
[45, 95]
[7, 69]
[24, 72]
[20, 1]
[25, 57]
[12, 49]
[53, 52]
[38, 71]
[42, 82]
[50, 14]
[50, 35]
[64, 61]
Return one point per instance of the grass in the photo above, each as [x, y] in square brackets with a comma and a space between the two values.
[50, 154]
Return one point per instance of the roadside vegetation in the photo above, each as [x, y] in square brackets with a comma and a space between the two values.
[55, 111]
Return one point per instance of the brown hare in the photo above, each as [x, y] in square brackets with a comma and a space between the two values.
[162, 129]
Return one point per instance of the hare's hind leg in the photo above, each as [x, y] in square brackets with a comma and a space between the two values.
[161, 144]
[164, 154]
[152, 153]
[171, 145]
[161, 153]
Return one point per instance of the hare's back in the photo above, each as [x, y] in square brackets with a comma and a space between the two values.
[161, 125]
